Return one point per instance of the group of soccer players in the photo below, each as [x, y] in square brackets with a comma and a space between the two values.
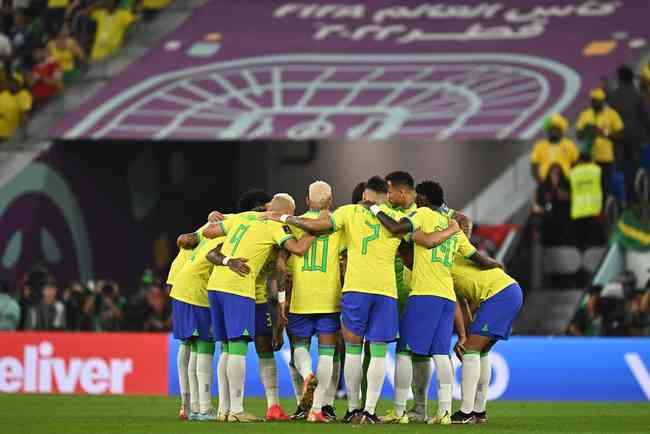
[410, 274]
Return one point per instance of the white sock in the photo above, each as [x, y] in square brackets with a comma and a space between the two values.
[193, 382]
[204, 375]
[324, 376]
[302, 360]
[352, 374]
[403, 379]
[269, 375]
[471, 371]
[222, 381]
[330, 395]
[297, 382]
[236, 371]
[422, 373]
[445, 377]
[376, 376]
[483, 382]
[182, 362]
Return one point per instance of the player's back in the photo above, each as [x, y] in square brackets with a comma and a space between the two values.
[316, 276]
[250, 238]
[476, 284]
[182, 257]
[371, 250]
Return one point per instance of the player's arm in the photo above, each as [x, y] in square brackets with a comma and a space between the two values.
[278, 278]
[299, 247]
[238, 265]
[484, 261]
[464, 222]
[405, 252]
[459, 323]
[435, 238]
[216, 216]
[214, 230]
[187, 241]
[321, 224]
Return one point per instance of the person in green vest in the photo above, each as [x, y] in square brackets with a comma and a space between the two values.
[586, 202]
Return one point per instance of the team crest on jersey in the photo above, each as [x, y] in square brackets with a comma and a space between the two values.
[287, 229]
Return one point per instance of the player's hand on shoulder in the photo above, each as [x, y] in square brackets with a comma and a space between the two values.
[213, 230]
[215, 216]
[239, 266]
[453, 224]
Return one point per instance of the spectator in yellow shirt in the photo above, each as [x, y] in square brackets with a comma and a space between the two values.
[112, 24]
[9, 113]
[554, 149]
[597, 127]
[66, 51]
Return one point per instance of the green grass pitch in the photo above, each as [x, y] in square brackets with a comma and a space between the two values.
[36, 414]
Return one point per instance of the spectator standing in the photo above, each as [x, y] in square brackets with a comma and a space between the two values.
[73, 298]
[9, 309]
[158, 318]
[47, 77]
[633, 110]
[554, 149]
[597, 127]
[586, 202]
[587, 321]
[112, 24]
[49, 314]
[67, 53]
[551, 203]
[104, 307]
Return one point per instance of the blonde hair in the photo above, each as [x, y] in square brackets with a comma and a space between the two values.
[319, 192]
[287, 197]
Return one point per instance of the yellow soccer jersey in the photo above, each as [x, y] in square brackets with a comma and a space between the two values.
[251, 238]
[431, 267]
[371, 250]
[261, 283]
[191, 282]
[316, 284]
[183, 256]
[475, 284]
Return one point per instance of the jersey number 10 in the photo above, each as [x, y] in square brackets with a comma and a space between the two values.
[309, 260]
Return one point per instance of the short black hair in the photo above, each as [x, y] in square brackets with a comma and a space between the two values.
[377, 184]
[625, 74]
[357, 193]
[432, 191]
[253, 199]
[401, 179]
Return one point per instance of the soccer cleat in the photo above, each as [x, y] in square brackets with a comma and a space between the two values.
[243, 417]
[183, 413]
[368, 418]
[416, 416]
[329, 412]
[392, 417]
[222, 416]
[480, 417]
[300, 414]
[309, 386]
[317, 416]
[353, 416]
[445, 419]
[276, 413]
[208, 416]
[460, 418]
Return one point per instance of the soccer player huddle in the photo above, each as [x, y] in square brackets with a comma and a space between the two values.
[396, 265]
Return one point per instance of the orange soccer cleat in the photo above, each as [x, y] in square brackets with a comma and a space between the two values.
[276, 413]
[317, 416]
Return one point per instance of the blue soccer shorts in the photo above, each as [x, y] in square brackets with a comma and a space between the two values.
[495, 316]
[370, 315]
[190, 321]
[233, 316]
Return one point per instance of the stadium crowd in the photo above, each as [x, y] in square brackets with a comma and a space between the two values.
[46, 45]
[575, 180]
[39, 303]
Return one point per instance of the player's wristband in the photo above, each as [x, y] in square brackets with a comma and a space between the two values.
[375, 209]
[282, 297]
[284, 217]
[225, 260]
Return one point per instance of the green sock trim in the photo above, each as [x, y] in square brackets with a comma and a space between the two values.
[353, 348]
[404, 352]
[472, 352]
[485, 354]
[326, 350]
[238, 348]
[265, 355]
[203, 347]
[378, 350]
[193, 346]
[224, 347]
[421, 359]
[337, 357]
[301, 344]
